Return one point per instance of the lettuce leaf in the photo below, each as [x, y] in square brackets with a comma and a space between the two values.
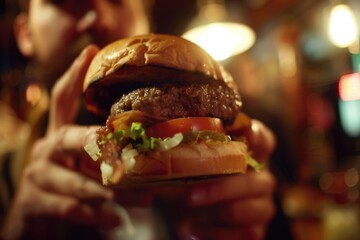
[252, 162]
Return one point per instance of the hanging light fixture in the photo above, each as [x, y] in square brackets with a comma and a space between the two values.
[342, 28]
[220, 38]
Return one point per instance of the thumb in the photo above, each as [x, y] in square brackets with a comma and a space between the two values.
[262, 141]
[66, 93]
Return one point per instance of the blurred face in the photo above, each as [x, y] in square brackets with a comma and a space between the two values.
[61, 28]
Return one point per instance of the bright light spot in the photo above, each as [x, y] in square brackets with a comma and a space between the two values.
[222, 40]
[349, 87]
[343, 30]
[341, 222]
[350, 117]
[351, 177]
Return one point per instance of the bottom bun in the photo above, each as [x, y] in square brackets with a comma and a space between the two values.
[189, 161]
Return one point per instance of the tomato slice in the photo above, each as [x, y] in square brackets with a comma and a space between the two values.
[183, 125]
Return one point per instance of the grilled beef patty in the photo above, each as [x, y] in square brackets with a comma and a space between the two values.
[176, 101]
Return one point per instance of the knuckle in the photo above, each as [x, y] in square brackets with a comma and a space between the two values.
[68, 207]
[34, 169]
[61, 133]
[27, 198]
[80, 188]
[28, 172]
[37, 149]
[25, 203]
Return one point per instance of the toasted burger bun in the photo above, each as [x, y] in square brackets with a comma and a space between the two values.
[187, 161]
[147, 59]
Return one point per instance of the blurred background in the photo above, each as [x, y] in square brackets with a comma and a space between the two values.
[297, 67]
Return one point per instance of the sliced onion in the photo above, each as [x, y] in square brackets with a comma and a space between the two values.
[106, 172]
[93, 150]
[128, 155]
[170, 143]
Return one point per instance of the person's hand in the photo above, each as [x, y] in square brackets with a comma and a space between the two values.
[50, 187]
[235, 207]
[242, 204]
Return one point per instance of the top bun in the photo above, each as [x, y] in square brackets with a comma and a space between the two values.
[143, 60]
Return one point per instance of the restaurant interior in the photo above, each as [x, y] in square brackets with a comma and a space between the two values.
[297, 67]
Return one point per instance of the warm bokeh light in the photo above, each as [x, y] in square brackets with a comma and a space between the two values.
[343, 30]
[349, 87]
[351, 177]
[350, 117]
[222, 40]
[349, 103]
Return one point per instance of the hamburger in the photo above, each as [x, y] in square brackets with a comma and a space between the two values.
[172, 113]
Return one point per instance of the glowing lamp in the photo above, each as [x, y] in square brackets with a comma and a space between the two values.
[216, 33]
[342, 28]
[222, 39]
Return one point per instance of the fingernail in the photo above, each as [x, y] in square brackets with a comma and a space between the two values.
[85, 52]
[82, 54]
